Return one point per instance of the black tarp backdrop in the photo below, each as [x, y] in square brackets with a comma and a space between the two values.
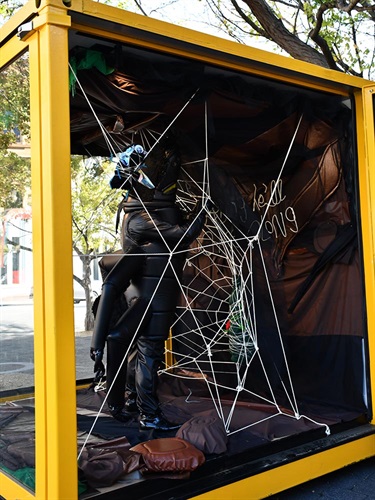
[310, 238]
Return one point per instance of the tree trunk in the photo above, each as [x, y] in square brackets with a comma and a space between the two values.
[282, 37]
[89, 317]
[85, 282]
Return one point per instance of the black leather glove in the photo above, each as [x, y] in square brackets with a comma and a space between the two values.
[97, 356]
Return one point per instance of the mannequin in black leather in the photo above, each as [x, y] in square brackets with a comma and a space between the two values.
[155, 238]
[115, 305]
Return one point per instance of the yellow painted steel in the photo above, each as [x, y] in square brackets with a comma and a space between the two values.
[27, 12]
[12, 490]
[244, 66]
[8, 486]
[56, 466]
[285, 476]
[185, 42]
[17, 397]
[10, 51]
[169, 356]
[366, 162]
[56, 447]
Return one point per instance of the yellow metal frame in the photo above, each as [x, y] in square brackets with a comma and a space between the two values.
[283, 477]
[55, 385]
[366, 157]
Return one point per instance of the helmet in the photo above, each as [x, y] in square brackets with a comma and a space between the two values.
[163, 166]
[130, 165]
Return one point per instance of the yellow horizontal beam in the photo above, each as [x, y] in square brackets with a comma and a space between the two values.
[189, 43]
[10, 51]
[12, 490]
[25, 13]
[285, 68]
[298, 472]
[215, 59]
[16, 397]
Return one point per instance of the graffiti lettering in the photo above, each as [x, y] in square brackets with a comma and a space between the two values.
[262, 199]
[281, 223]
[278, 224]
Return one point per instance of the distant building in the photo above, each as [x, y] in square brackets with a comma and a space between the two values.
[16, 247]
[16, 258]
[16, 264]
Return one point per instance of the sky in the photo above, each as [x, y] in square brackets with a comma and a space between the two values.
[191, 14]
[195, 14]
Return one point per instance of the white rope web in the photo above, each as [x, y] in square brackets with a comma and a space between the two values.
[228, 295]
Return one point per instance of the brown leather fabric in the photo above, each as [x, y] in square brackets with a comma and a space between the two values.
[101, 468]
[307, 191]
[207, 433]
[104, 463]
[120, 444]
[24, 450]
[298, 198]
[170, 455]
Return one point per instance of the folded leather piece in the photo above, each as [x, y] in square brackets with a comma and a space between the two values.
[119, 444]
[206, 432]
[101, 468]
[170, 455]
[23, 451]
[104, 463]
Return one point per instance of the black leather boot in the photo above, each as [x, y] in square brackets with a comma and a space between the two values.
[120, 413]
[131, 404]
[116, 378]
[149, 358]
[130, 390]
[157, 422]
[118, 343]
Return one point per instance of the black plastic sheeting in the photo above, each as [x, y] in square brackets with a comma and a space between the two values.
[309, 240]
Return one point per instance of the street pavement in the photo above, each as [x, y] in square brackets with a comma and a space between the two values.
[16, 339]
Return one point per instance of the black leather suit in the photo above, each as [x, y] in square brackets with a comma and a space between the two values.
[148, 238]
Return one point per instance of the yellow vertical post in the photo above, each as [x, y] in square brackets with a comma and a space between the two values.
[56, 444]
[169, 356]
[366, 163]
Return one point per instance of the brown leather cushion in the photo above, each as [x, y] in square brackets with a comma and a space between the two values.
[169, 455]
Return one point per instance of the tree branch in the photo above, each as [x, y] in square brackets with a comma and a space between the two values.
[21, 247]
[319, 40]
[346, 68]
[277, 32]
[345, 6]
[140, 8]
[248, 20]
[357, 52]
[370, 9]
